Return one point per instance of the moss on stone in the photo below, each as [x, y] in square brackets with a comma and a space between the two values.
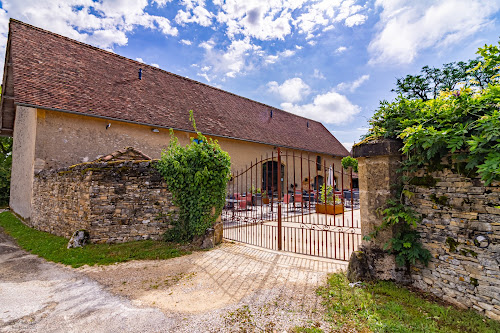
[441, 200]
[464, 252]
[427, 181]
[452, 244]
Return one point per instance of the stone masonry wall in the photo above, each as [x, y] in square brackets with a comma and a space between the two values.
[455, 210]
[115, 201]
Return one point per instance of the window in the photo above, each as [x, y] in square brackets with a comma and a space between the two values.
[318, 163]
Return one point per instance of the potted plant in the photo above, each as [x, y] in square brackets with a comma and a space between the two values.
[326, 201]
[256, 196]
[265, 198]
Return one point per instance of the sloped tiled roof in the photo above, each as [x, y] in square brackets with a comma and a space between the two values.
[126, 154]
[55, 72]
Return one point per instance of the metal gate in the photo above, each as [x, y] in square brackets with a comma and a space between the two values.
[292, 202]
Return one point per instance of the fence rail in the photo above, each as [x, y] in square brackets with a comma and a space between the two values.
[266, 206]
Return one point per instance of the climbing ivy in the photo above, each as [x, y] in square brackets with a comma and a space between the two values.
[5, 169]
[461, 126]
[197, 176]
[406, 244]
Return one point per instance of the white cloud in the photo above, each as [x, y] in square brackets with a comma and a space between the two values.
[205, 76]
[155, 65]
[341, 49]
[161, 3]
[271, 59]
[208, 45]
[237, 59]
[261, 20]
[408, 27]
[292, 90]
[318, 75]
[139, 60]
[250, 21]
[328, 108]
[356, 19]
[197, 15]
[104, 23]
[352, 86]
[186, 42]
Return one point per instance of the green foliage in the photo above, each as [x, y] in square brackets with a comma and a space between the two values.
[327, 193]
[476, 74]
[441, 200]
[463, 124]
[427, 181]
[53, 248]
[5, 169]
[197, 176]
[405, 244]
[407, 248]
[386, 307]
[349, 161]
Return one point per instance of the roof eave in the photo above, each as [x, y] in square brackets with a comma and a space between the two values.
[174, 128]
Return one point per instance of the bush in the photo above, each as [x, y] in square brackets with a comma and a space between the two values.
[5, 168]
[462, 124]
[349, 161]
[197, 176]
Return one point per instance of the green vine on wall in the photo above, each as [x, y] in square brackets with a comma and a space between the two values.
[197, 177]
[459, 125]
[406, 244]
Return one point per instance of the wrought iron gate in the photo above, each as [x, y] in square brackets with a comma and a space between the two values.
[290, 202]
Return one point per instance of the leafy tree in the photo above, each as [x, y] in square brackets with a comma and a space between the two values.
[463, 124]
[5, 168]
[349, 161]
[477, 73]
[413, 86]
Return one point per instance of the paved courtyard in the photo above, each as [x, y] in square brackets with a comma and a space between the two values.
[221, 290]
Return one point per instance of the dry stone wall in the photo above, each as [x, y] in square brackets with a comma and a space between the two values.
[115, 201]
[456, 210]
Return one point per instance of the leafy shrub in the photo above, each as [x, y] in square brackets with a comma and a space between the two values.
[326, 195]
[463, 124]
[197, 176]
[349, 161]
[5, 169]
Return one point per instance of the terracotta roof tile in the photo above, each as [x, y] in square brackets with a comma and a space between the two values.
[52, 71]
[126, 154]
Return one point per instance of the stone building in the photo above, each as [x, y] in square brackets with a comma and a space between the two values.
[66, 102]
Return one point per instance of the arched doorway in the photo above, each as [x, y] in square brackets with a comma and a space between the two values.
[270, 176]
[318, 181]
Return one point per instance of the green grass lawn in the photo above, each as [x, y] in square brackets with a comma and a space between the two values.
[386, 307]
[53, 247]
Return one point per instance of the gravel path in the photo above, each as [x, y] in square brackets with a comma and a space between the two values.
[228, 289]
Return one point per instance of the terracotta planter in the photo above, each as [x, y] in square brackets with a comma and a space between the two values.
[330, 209]
[265, 201]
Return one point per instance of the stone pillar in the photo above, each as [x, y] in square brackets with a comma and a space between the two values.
[378, 162]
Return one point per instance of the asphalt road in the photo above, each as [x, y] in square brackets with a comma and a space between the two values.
[37, 296]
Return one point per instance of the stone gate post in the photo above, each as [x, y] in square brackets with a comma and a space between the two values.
[378, 162]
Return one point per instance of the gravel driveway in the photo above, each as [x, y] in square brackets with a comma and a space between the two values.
[228, 289]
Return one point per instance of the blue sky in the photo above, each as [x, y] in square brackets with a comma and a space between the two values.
[329, 60]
